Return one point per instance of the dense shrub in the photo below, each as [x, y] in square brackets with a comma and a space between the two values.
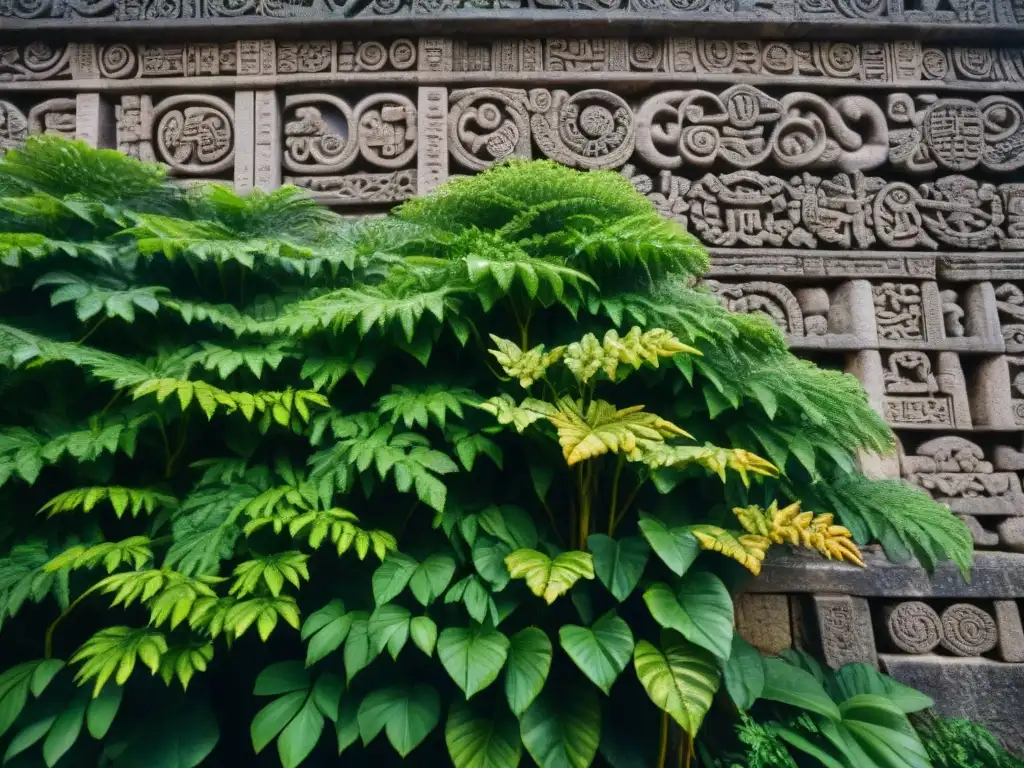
[433, 482]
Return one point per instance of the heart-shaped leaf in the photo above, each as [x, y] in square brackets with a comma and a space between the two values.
[601, 651]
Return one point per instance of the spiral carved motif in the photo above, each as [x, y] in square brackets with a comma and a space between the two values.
[117, 61]
[914, 627]
[967, 630]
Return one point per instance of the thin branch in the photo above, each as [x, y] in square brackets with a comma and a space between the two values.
[93, 330]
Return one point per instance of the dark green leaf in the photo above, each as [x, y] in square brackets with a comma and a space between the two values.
[619, 564]
[563, 731]
[601, 651]
[794, 686]
[529, 662]
[743, 673]
[473, 657]
[407, 714]
[676, 547]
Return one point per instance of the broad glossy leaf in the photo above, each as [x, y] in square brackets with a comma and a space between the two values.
[794, 686]
[301, 735]
[28, 736]
[347, 725]
[489, 556]
[743, 673]
[359, 651]
[65, 730]
[702, 611]
[183, 740]
[473, 657]
[18, 681]
[272, 719]
[431, 578]
[820, 752]
[601, 651]
[511, 525]
[527, 668]
[282, 677]
[676, 547]
[102, 710]
[563, 731]
[423, 630]
[389, 628]
[681, 678]
[619, 564]
[326, 630]
[549, 578]
[392, 576]
[482, 738]
[883, 732]
[854, 679]
[407, 713]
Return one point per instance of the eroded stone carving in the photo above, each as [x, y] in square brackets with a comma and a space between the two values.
[898, 311]
[844, 625]
[917, 396]
[913, 627]
[36, 61]
[193, 134]
[323, 134]
[359, 187]
[1010, 306]
[954, 472]
[772, 299]
[744, 127]
[54, 116]
[13, 126]
[967, 630]
[955, 134]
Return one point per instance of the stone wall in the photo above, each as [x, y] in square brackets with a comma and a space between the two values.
[866, 193]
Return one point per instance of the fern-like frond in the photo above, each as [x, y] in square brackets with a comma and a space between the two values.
[134, 551]
[113, 653]
[363, 443]
[421, 406]
[134, 500]
[226, 360]
[91, 296]
[279, 407]
[24, 576]
[270, 570]
[902, 517]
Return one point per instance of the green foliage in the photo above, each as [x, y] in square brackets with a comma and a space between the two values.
[259, 436]
[957, 743]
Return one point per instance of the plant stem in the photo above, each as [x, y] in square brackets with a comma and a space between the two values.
[169, 468]
[167, 445]
[685, 751]
[625, 507]
[615, 494]
[92, 330]
[663, 748]
[48, 643]
[554, 523]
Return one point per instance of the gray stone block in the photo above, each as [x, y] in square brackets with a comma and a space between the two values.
[844, 624]
[1011, 633]
[990, 692]
[998, 575]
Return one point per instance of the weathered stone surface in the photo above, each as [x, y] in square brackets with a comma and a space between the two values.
[1011, 534]
[991, 692]
[844, 625]
[1011, 634]
[913, 627]
[764, 621]
[967, 630]
[995, 575]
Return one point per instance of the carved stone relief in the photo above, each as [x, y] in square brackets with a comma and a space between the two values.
[913, 627]
[325, 138]
[924, 391]
[55, 116]
[955, 472]
[950, 12]
[193, 134]
[34, 61]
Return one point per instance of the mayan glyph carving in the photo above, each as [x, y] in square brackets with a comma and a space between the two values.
[924, 390]
[35, 61]
[744, 127]
[931, 133]
[324, 136]
[845, 631]
[955, 472]
[772, 299]
[913, 627]
[967, 630]
[193, 134]
[948, 12]
[1010, 306]
[898, 311]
